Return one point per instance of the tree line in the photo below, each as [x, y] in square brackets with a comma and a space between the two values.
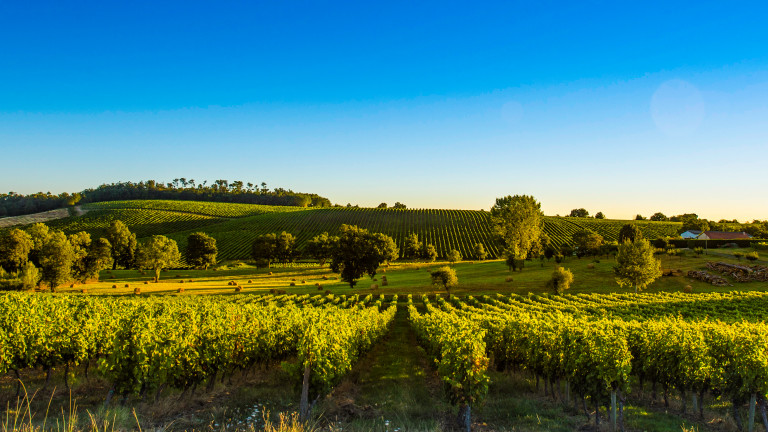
[37, 255]
[13, 204]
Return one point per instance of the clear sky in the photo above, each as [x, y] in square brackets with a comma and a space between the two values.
[620, 107]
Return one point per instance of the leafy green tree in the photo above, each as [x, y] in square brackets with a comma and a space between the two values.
[480, 252]
[15, 246]
[561, 280]
[629, 232]
[690, 222]
[99, 258]
[56, 258]
[587, 242]
[264, 248]
[518, 220]
[157, 253]
[635, 265]
[599, 215]
[320, 247]
[412, 248]
[581, 212]
[445, 276]
[358, 252]
[285, 248]
[399, 205]
[123, 243]
[201, 250]
[429, 253]
[639, 217]
[453, 256]
[659, 217]
[29, 276]
[81, 243]
[661, 243]
[39, 233]
[382, 206]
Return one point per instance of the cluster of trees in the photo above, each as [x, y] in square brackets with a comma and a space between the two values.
[12, 204]
[414, 249]
[42, 255]
[354, 253]
[583, 213]
[398, 205]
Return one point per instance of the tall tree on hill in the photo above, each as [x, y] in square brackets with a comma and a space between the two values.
[264, 248]
[480, 252]
[358, 252]
[382, 206]
[635, 265]
[285, 248]
[659, 217]
[157, 253]
[399, 205]
[56, 259]
[639, 217]
[15, 246]
[581, 212]
[629, 232]
[453, 256]
[599, 215]
[320, 247]
[39, 233]
[123, 243]
[518, 222]
[201, 250]
[412, 246]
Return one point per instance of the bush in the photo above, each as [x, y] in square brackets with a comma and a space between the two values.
[453, 256]
[752, 256]
[698, 251]
[738, 255]
[262, 263]
[559, 258]
[561, 280]
[445, 276]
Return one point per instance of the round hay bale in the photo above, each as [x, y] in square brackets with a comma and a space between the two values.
[590, 266]
[374, 286]
[177, 276]
[180, 290]
[114, 286]
[181, 281]
[127, 286]
[327, 292]
[293, 284]
[303, 281]
[250, 281]
[269, 274]
[688, 289]
[508, 279]
[84, 290]
[293, 280]
[146, 282]
[239, 289]
[325, 277]
[190, 281]
[137, 291]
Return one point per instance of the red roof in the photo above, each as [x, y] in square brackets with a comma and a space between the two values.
[720, 235]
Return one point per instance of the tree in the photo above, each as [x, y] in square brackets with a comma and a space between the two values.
[399, 205]
[99, 257]
[659, 217]
[690, 222]
[561, 280]
[453, 256]
[412, 248]
[629, 232]
[264, 247]
[429, 253]
[587, 242]
[81, 243]
[285, 248]
[635, 265]
[445, 276]
[582, 213]
[157, 253]
[518, 221]
[358, 252]
[29, 276]
[15, 246]
[382, 206]
[123, 243]
[661, 243]
[639, 217]
[480, 252]
[201, 250]
[39, 233]
[56, 258]
[599, 215]
[319, 247]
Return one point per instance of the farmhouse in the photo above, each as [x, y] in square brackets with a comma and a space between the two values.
[690, 234]
[720, 235]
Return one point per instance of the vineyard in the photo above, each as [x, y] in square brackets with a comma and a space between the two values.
[236, 225]
[147, 345]
[605, 348]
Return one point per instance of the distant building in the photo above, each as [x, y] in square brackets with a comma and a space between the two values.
[691, 234]
[720, 235]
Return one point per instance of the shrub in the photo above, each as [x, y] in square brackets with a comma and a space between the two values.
[453, 256]
[384, 282]
[445, 276]
[752, 256]
[262, 263]
[561, 280]
[698, 251]
[738, 255]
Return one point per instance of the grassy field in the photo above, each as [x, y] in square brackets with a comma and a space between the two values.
[236, 225]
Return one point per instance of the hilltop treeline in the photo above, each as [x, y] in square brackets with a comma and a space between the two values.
[13, 204]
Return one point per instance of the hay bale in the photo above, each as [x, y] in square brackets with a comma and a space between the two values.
[250, 281]
[293, 280]
[325, 277]
[180, 290]
[177, 276]
[146, 282]
[84, 291]
[181, 281]
[231, 283]
[319, 287]
[293, 284]
[127, 286]
[303, 281]
[137, 291]
[114, 286]
[327, 292]
[239, 289]
[374, 286]
[508, 279]
[590, 266]
[72, 285]
[269, 274]
[190, 281]
[384, 282]
[688, 289]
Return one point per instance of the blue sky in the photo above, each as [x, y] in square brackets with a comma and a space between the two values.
[617, 107]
